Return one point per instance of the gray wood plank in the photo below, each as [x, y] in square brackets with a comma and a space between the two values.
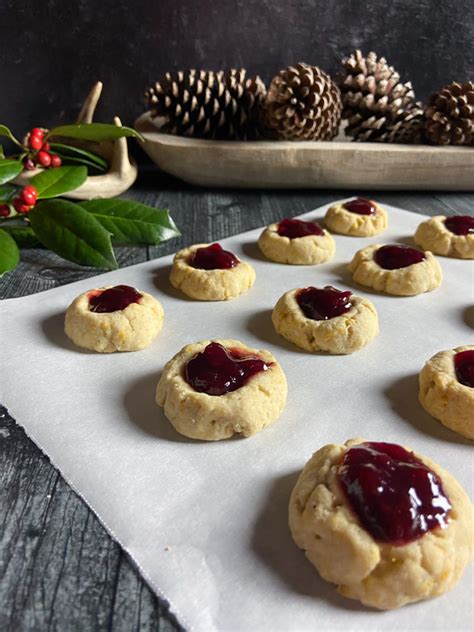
[59, 569]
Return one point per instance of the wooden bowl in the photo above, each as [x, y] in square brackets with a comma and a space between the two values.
[308, 164]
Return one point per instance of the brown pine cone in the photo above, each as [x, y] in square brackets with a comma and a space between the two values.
[449, 115]
[377, 106]
[207, 104]
[302, 103]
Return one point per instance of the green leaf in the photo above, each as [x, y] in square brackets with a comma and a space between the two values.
[94, 131]
[53, 182]
[5, 131]
[69, 152]
[73, 233]
[9, 253]
[23, 236]
[7, 192]
[9, 169]
[2, 153]
[131, 222]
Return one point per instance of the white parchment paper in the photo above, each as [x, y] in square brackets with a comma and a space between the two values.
[206, 523]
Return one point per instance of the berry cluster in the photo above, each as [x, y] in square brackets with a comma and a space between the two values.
[40, 151]
[23, 203]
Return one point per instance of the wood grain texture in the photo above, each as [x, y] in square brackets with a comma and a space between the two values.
[59, 570]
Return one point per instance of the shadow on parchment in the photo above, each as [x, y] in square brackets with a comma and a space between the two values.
[260, 325]
[161, 280]
[53, 330]
[273, 545]
[403, 398]
[145, 414]
[252, 251]
[468, 316]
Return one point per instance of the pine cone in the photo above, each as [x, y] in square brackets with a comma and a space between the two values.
[449, 115]
[302, 103]
[207, 104]
[376, 105]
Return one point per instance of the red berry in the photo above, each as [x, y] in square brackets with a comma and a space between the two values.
[20, 206]
[44, 158]
[29, 195]
[56, 160]
[45, 146]
[4, 210]
[28, 164]
[35, 142]
[37, 131]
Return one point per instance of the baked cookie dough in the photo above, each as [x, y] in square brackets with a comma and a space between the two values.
[358, 218]
[423, 276]
[245, 410]
[114, 318]
[310, 249]
[216, 284]
[377, 573]
[354, 328]
[434, 234]
[445, 392]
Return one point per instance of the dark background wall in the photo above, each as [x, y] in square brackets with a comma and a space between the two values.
[52, 51]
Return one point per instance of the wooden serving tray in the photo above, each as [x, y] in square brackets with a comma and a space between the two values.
[308, 164]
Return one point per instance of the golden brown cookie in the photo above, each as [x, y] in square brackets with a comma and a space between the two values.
[206, 272]
[358, 218]
[352, 512]
[325, 319]
[447, 389]
[212, 390]
[396, 269]
[448, 236]
[297, 242]
[118, 318]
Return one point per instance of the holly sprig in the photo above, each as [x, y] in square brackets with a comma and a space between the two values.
[36, 216]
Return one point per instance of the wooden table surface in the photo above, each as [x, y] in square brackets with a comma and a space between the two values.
[59, 569]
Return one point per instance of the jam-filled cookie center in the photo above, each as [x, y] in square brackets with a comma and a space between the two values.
[460, 224]
[395, 256]
[213, 257]
[217, 370]
[323, 303]
[295, 228]
[361, 206]
[464, 367]
[114, 299]
[396, 497]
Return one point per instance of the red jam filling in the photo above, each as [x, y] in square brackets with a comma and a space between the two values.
[464, 367]
[114, 299]
[294, 228]
[213, 257]
[396, 256]
[361, 206]
[460, 224]
[396, 497]
[217, 370]
[323, 303]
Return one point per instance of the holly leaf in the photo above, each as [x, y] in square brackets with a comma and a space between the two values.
[7, 193]
[9, 253]
[9, 169]
[94, 131]
[130, 222]
[23, 235]
[80, 156]
[73, 233]
[5, 131]
[53, 182]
